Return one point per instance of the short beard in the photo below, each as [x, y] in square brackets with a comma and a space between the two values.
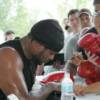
[37, 59]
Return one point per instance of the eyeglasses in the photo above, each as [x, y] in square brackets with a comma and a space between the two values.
[97, 13]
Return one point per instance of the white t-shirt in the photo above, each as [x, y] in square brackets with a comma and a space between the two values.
[70, 46]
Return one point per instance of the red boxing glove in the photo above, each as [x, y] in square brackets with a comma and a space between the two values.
[91, 42]
[86, 70]
[55, 76]
[89, 71]
[91, 80]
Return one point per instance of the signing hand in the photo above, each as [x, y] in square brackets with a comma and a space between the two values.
[52, 86]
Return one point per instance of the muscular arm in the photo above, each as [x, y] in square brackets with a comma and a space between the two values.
[11, 76]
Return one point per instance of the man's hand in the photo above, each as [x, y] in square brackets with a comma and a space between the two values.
[45, 90]
[52, 86]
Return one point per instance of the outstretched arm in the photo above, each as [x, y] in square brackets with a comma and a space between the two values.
[12, 79]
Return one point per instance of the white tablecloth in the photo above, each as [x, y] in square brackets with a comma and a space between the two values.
[89, 97]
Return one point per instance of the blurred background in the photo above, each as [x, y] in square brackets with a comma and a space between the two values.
[20, 15]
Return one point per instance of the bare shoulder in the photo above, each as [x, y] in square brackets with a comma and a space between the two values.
[9, 56]
[10, 70]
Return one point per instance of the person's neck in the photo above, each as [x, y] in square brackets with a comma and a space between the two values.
[90, 25]
[25, 47]
[75, 31]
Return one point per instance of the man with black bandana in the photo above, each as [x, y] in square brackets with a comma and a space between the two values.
[19, 60]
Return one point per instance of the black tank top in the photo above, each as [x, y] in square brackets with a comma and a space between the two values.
[29, 65]
[2, 95]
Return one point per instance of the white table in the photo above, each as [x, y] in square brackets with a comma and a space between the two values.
[89, 97]
[67, 96]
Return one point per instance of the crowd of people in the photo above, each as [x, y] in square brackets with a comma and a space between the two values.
[21, 59]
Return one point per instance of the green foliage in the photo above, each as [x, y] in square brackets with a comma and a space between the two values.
[85, 4]
[14, 14]
[5, 6]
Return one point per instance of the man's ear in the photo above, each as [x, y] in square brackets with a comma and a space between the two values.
[38, 46]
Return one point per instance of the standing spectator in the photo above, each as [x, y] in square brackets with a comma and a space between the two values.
[70, 46]
[86, 20]
[9, 35]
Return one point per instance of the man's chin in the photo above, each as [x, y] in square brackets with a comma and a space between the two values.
[44, 61]
[40, 60]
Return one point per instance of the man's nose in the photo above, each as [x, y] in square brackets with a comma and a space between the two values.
[85, 21]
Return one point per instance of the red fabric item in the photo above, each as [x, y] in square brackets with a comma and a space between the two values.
[90, 42]
[91, 80]
[89, 71]
[55, 76]
[86, 70]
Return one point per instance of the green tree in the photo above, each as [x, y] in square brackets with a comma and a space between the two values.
[13, 16]
[5, 6]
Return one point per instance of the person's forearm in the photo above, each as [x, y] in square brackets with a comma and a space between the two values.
[36, 95]
[42, 93]
[93, 88]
